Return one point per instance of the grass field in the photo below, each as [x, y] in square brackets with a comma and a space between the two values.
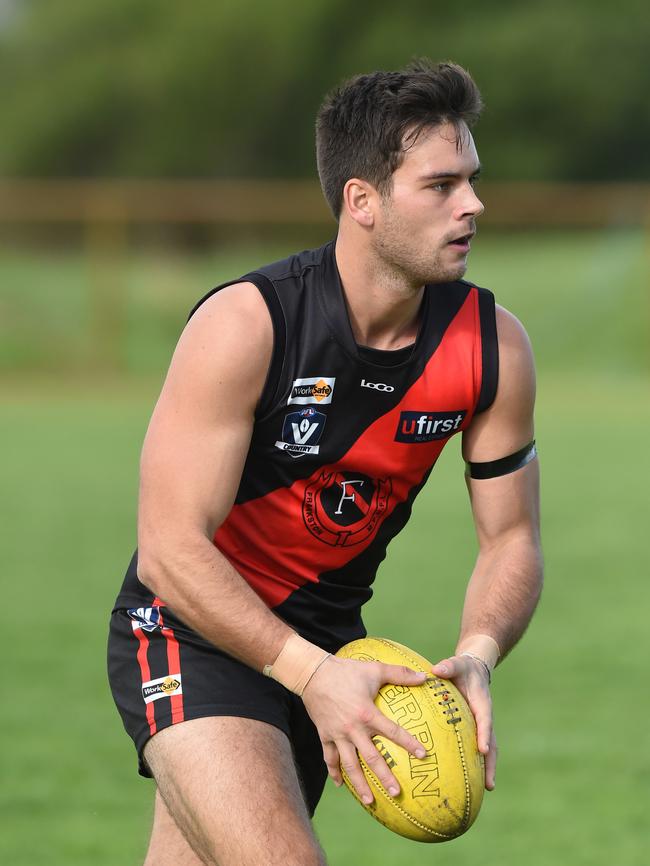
[572, 702]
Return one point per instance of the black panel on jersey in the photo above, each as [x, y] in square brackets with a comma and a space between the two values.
[386, 358]
[489, 350]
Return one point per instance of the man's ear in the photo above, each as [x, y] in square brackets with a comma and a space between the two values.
[359, 201]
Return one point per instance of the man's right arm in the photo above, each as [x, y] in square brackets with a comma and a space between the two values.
[191, 465]
[192, 462]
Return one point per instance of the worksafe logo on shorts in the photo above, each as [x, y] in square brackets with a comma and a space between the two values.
[317, 389]
[301, 432]
[428, 426]
[164, 687]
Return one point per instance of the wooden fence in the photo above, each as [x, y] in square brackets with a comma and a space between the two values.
[104, 216]
[282, 202]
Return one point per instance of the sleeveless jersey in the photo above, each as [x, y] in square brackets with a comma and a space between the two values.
[343, 441]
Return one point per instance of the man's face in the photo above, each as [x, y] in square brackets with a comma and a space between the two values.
[422, 226]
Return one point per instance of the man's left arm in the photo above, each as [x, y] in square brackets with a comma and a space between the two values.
[503, 482]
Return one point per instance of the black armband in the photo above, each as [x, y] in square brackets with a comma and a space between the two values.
[495, 468]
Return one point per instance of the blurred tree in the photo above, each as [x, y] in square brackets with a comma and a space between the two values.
[153, 88]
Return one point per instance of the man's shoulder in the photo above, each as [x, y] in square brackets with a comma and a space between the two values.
[293, 265]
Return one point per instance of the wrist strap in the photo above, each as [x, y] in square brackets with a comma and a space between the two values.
[481, 646]
[488, 672]
[296, 664]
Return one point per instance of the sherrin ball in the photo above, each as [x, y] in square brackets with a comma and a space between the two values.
[440, 794]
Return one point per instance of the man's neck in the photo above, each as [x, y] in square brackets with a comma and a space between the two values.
[384, 310]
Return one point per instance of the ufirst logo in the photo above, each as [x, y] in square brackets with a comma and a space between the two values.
[417, 427]
[377, 386]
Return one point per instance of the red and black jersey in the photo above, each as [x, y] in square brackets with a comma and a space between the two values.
[344, 439]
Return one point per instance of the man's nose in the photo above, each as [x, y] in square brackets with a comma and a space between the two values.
[470, 204]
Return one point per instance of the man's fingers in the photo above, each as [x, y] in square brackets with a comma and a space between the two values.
[482, 712]
[350, 763]
[400, 675]
[491, 764]
[446, 668]
[378, 766]
[331, 758]
[393, 732]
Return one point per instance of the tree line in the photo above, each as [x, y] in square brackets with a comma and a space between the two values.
[152, 88]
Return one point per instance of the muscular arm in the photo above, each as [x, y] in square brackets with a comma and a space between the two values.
[507, 579]
[192, 462]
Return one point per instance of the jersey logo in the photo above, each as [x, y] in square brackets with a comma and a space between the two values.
[377, 386]
[301, 432]
[317, 389]
[427, 426]
[345, 508]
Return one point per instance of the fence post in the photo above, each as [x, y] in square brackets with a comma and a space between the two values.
[106, 242]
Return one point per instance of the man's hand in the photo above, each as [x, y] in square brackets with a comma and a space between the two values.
[340, 701]
[471, 678]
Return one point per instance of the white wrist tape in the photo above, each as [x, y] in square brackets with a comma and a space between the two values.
[482, 647]
[296, 664]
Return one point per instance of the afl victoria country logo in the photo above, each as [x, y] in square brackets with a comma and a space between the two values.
[345, 508]
[301, 432]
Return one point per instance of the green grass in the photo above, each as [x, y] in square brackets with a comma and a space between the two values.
[583, 297]
[572, 702]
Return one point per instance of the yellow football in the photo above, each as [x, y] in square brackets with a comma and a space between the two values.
[441, 794]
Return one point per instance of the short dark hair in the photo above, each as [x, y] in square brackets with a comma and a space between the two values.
[361, 125]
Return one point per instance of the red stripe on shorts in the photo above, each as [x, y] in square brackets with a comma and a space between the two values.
[143, 646]
[174, 667]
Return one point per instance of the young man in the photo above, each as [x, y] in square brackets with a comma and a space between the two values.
[304, 408]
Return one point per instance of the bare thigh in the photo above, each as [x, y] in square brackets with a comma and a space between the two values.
[231, 787]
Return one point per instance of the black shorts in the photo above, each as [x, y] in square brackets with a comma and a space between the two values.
[161, 673]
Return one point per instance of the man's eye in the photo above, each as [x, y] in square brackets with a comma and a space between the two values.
[474, 180]
[441, 187]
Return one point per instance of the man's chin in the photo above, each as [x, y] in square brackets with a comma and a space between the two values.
[448, 275]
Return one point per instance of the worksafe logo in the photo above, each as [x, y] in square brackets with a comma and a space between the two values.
[427, 426]
[301, 432]
[345, 508]
[164, 687]
[317, 389]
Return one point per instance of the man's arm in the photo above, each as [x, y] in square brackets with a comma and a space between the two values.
[192, 462]
[507, 579]
[191, 465]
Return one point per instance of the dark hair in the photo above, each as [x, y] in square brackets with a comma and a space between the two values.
[363, 126]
